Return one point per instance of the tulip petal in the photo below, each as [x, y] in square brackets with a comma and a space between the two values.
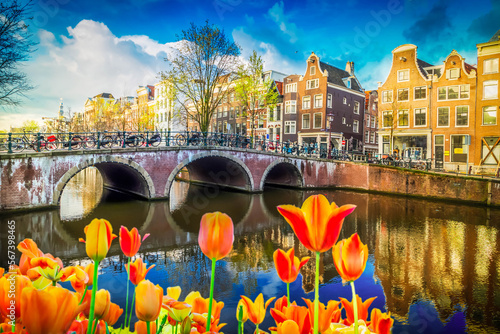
[295, 217]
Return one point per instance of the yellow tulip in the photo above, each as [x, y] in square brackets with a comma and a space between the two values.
[99, 235]
[148, 301]
[102, 303]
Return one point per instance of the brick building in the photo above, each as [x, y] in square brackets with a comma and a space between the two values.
[370, 127]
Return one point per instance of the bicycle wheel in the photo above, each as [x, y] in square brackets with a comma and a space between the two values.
[180, 140]
[107, 141]
[194, 141]
[155, 140]
[117, 141]
[17, 145]
[76, 142]
[52, 144]
[89, 142]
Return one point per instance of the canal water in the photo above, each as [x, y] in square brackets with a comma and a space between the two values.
[434, 265]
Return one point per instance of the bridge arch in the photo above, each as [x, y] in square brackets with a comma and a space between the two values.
[115, 170]
[236, 174]
[283, 172]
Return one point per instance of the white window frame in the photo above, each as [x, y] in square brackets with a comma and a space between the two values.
[374, 119]
[493, 66]
[321, 101]
[345, 100]
[456, 117]
[292, 105]
[415, 117]
[355, 126]
[453, 73]
[312, 84]
[437, 118]
[291, 88]
[309, 121]
[415, 93]
[372, 137]
[308, 97]
[408, 90]
[487, 84]
[356, 107]
[312, 70]
[314, 120]
[343, 120]
[387, 113]
[496, 115]
[401, 75]
[367, 120]
[291, 125]
[408, 114]
[367, 136]
[385, 95]
[329, 102]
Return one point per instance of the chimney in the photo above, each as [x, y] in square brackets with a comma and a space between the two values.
[349, 67]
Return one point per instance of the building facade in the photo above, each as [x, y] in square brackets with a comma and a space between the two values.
[370, 128]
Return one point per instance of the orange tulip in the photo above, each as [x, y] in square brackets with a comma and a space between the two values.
[29, 250]
[257, 309]
[141, 327]
[216, 235]
[102, 303]
[81, 282]
[148, 301]
[362, 309]
[381, 323]
[317, 224]
[199, 324]
[200, 305]
[298, 314]
[288, 265]
[178, 311]
[114, 313]
[130, 241]
[49, 311]
[99, 234]
[16, 283]
[325, 313]
[138, 271]
[288, 327]
[349, 257]
[244, 313]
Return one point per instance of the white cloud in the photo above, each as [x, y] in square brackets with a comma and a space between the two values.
[277, 14]
[87, 61]
[373, 72]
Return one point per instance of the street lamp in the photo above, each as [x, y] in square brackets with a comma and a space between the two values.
[330, 120]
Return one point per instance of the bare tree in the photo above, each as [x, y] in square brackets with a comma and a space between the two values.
[201, 69]
[15, 47]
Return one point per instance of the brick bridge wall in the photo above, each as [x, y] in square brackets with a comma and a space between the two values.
[36, 180]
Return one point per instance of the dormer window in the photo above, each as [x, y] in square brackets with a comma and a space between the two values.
[403, 75]
[453, 73]
[312, 71]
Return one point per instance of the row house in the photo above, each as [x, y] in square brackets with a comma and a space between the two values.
[324, 91]
[446, 112]
[371, 123]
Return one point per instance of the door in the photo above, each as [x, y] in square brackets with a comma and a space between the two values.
[439, 154]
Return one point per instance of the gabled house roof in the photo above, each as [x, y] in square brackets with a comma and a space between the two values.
[105, 96]
[336, 76]
[279, 87]
[495, 37]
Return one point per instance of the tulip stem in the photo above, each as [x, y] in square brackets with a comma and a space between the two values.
[288, 292]
[83, 296]
[148, 326]
[316, 295]
[128, 281]
[355, 307]
[95, 326]
[212, 282]
[130, 315]
[257, 329]
[92, 301]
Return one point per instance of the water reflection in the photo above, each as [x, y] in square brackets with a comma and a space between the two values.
[432, 264]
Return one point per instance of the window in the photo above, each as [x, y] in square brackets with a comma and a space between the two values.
[368, 120]
[443, 116]
[329, 102]
[458, 149]
[278, 112]
[490, 150]
[453, 92]
[231, 113]
[314, 83]
[291, 88]
[453, 73]
[403, 94]
[343, 120]
[224, 129]
[373, 122]
[403, 118]
[289, 127]
[420, 93]
[403, 75]
[372, 135]
[306, 121]
[367, 136]
[232, 97]
[387, 96]
[345, 100]
[318, 120]
[442, 93]
[237, 111]
[318, 101]
[355, 126]
[312, 70]
[490, 66]
[386, 144]
[464, 91]
[420, 117]
[490, 115]
[356, 107]
[290, 107]
[490, 89]
[462, 116]
[306, 102]
[387, 119]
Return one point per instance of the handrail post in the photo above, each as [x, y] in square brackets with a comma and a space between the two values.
[123, 139]
[70, 141]
[167, 140]
[98, 140]
[10, 143]
[147, 138]
[38, 142]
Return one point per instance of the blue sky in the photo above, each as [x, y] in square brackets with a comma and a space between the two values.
[89, 47]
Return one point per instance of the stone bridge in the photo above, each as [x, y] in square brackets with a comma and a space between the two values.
[35, 180]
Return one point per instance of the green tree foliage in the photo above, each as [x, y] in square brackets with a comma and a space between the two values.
[200, 69]
[31, 126]
[253, 92]
[15, 47]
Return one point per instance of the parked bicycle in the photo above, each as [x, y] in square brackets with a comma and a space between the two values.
[21, 143]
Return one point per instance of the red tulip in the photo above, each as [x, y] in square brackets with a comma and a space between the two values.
[216, 235]
[138, 271]
[325, 313]
[381, 323]
[317, 224]
[288, 265]
[349, 257]
[361, 306]
[257, 309]
[130, 241]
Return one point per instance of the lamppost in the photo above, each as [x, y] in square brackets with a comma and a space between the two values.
[330, 120]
